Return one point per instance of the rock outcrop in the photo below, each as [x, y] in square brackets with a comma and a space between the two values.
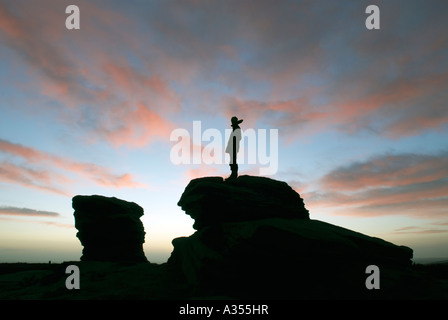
[212, 200]
[255, 240]
[109, 229]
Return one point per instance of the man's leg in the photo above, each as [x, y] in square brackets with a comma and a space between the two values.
[234, 174]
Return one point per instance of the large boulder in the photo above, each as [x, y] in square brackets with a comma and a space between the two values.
[212, 200]
[275, 250]
[109, 229]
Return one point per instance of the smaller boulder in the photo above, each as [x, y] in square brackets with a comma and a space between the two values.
[109, 229]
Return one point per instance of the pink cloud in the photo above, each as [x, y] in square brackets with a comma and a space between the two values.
[29, 39]
[28, 176]
[152, 88]
[407, 184]
[201, 171]
[129, 105]
[9, 25]
[387, 171]
[137, 127]
[100, 175]
[291, 115]
[380, 203]
[19, 150]
[399, 103]
[278, 46]
[395, 108]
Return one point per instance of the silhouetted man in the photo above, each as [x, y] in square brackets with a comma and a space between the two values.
[233, 146]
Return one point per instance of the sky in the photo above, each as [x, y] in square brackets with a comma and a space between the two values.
[361, 114]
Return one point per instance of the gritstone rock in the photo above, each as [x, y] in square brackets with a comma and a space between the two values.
[212, 200]
[255, 239]
[109, 229]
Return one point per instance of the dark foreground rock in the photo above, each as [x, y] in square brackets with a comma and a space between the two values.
[99, 280]
[123, 280]
[109, 228]
[273, 250]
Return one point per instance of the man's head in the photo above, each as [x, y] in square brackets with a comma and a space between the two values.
[235, 122]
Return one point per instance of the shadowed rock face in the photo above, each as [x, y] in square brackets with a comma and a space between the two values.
[255, 239]
[212, 200]
[109, 228]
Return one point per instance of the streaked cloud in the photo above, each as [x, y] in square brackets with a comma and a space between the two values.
[389, 170]
[99, 93]
[15, 211]
[391, 184]
[302, 71]
[42, 179]
[47, 178]
[418, 230]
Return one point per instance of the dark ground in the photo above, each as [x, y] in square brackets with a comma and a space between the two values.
[132, 281]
